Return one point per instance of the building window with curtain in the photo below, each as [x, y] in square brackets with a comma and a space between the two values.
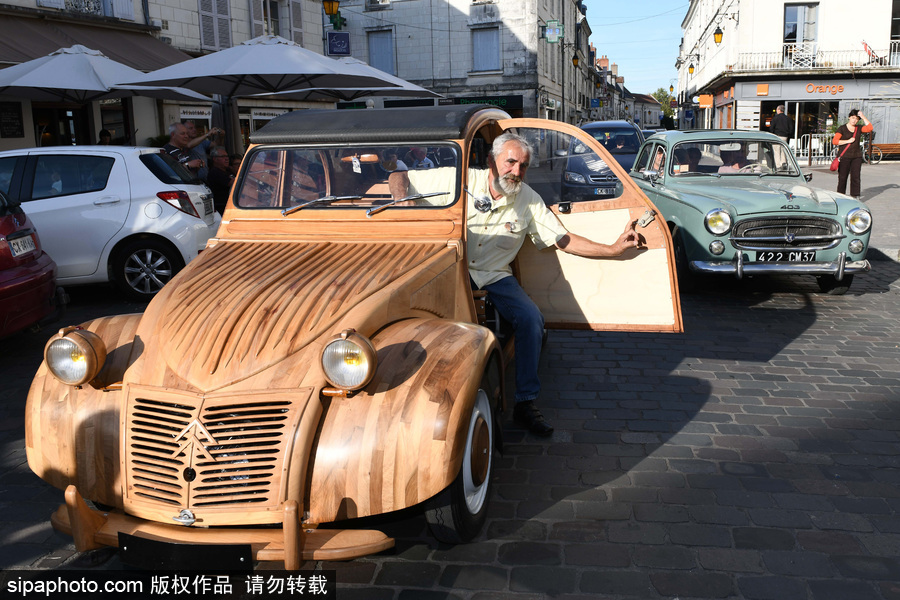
[381, 50]
[486, 49]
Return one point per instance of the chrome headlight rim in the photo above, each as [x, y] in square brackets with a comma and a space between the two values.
[75, 356]
[339, 355]
[724, 216]
[852, 218]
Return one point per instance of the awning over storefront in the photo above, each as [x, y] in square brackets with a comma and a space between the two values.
[23, 39]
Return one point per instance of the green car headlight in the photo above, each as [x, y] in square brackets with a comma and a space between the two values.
[859, 220]
[74, 355]
[718, 221]
[349, 360]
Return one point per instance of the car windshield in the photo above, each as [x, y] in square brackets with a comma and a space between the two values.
[733, 157]
[617, 140]
[345, 177]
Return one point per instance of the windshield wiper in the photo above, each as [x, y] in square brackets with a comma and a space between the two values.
[377, 209]
[293, 209]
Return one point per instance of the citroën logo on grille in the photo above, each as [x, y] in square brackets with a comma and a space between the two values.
[192, 437]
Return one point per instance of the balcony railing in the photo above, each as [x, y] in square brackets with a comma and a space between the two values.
[92, 7]
[807, 56]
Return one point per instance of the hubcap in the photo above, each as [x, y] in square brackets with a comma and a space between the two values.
[147, 271]
[477, 459]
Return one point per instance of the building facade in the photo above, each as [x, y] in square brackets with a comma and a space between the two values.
[516, 54]
[819, 59]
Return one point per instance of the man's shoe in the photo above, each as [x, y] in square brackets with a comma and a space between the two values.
[528, 415]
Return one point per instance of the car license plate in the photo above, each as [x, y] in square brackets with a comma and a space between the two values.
[207, 205]
[22, 245]
[604, 191]
[785, 256]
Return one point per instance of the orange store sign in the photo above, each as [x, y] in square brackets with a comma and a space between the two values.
[813, 88]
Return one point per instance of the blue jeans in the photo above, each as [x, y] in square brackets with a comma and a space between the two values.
[515, 306]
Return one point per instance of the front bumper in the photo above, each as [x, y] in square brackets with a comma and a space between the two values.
[739, 267]
[293, 543]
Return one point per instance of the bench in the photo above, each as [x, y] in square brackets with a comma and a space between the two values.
[888, 149]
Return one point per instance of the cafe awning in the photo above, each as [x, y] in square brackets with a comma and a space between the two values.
[23, 39]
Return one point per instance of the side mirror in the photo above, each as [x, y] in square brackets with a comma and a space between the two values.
[560, 152]
[807, 177]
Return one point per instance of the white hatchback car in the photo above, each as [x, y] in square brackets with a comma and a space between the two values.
[133, 216]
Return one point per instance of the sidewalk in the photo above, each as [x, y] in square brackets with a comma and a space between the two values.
[881, 193]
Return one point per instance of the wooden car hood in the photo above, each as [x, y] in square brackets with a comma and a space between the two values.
[242, 307]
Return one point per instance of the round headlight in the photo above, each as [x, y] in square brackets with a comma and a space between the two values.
[859, 220]
[349, 360]
[74, 355]
[718, 221]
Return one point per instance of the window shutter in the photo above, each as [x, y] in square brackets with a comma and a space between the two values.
[123, 9]
[297, 21]
[208, 25]
[257, 18]
[223, 23]
[52, 3]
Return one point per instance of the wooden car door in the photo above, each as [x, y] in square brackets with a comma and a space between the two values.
[637, 291]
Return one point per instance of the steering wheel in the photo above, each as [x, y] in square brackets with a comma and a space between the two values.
[750, 168]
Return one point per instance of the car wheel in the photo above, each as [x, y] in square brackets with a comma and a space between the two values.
[457, 514]
[830, 285]
[141, 267]
[687, 280]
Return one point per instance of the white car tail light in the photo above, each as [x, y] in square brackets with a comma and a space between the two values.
[180, 200]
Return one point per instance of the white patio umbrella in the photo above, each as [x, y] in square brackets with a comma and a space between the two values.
[80, 74]
[263, 65]
[403, 88]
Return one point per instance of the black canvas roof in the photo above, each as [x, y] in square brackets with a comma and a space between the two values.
[368, 125]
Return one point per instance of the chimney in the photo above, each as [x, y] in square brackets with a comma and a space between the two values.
[603, 62]
[614, 69]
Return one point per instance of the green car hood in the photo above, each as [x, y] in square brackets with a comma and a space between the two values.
[753, 195]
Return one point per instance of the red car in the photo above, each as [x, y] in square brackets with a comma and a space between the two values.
[27, 274]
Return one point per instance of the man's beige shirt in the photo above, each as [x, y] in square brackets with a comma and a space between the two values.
[495, 236]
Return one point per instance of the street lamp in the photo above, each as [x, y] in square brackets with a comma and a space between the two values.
[691, 68]
[575, 60]
[331, 6]
[717, 35]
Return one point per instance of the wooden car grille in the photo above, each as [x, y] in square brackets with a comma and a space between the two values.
[204, 454]
[786, 233]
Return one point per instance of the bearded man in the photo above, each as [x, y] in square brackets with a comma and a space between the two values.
[502, 210]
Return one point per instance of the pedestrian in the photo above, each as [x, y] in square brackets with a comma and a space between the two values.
[104, 137]
[502, 209]
[851, 157]
[177, 147]
[219, 179]
[782, 125]
[234, 164]
[199, 145]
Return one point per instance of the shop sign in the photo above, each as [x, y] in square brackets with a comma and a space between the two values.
[264, 114]
[195, 112]
[338, 43]
[815, 88]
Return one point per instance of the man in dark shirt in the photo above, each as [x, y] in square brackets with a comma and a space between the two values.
[782, 125]
[219, 179]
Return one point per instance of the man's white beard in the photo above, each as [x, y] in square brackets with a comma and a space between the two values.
[508, 185]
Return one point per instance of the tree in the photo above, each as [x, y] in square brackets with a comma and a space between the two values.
[665, 101]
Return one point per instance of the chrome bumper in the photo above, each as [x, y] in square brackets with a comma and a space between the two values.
[739, 267]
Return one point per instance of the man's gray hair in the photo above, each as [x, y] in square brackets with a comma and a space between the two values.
[173, 127]
[503, 139]
[780, 107]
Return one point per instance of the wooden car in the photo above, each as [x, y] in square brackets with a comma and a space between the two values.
[322, 360]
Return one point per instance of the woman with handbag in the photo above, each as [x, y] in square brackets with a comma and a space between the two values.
[850, 160]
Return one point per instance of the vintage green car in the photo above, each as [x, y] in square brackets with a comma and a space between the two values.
[736, 202]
